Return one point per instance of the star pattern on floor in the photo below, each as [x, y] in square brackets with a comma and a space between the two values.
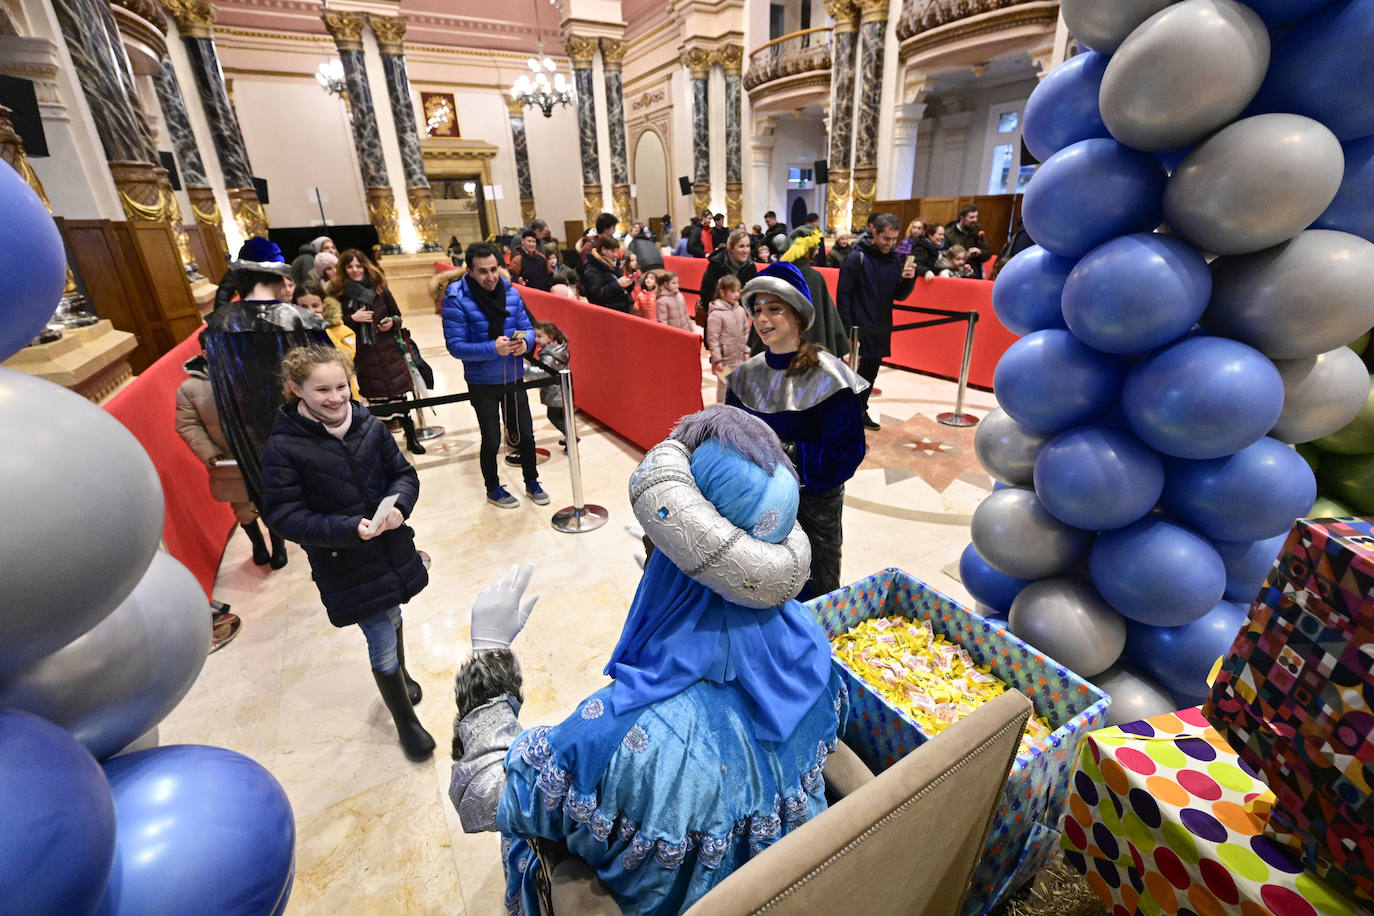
[921, 447]
[929, 446]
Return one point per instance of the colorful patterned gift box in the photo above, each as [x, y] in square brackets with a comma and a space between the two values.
[1024, 832]
[1164, 818]
[1295, 697]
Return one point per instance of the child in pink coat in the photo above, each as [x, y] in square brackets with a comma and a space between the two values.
[727, 331]
[672, 308]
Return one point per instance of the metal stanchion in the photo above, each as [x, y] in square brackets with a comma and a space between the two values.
[577, 517]
[854, 348]
[425, 433]
[958, 417]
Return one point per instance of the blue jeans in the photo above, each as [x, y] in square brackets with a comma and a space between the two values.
[380, 631]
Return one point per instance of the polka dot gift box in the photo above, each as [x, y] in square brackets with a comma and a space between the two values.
[1024, 830]
[1164, 818]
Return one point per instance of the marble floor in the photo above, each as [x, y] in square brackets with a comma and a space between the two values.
[376, 833]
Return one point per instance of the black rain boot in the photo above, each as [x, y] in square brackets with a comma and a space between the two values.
[412, 443]
[278, 549]
[415, 741]
[412, 685]
[260, 554]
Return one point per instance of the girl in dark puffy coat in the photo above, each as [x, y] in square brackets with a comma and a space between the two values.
[325, 471]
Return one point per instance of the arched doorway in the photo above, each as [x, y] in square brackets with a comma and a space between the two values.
[651, 176]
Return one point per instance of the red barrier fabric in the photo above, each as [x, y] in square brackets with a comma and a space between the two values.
[689, 273]
[637, 377]
[196, 526]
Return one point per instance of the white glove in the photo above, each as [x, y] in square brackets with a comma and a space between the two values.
[498, 614]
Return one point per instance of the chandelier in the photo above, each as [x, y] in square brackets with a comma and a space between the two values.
[538, 91]
[330, 76]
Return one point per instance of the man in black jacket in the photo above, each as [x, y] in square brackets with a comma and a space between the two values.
[772, 228]
[871, 279]
[965, 231]
[701, 242]
[529, 266]
[603, 283]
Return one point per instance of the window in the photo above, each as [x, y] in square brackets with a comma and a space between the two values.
[1008, 121]
[1001, 168]
[1002, 165]
[798, 177]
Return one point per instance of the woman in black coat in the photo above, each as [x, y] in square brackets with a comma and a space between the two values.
[325, 472]
[603, 283]
[734, 259]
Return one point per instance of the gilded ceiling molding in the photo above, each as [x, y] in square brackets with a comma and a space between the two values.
[346, 29]
[194, 18]
[390, 32]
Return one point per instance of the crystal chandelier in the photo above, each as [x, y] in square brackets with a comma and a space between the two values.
[539, 91]
[330, 76]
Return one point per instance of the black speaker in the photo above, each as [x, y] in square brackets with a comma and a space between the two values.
[18, 96]
[822, 171]
[685, 185]
[260, 186]
[169, 163]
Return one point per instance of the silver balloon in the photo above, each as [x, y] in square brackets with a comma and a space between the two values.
[83, 507]
[1018, 537]
[1304, 297]
[1134, 695]
[1254, 184]
[1104, 24]
[146, 741]
[115, 682]
[1321, 394]
[1068, 621]
[1183, 73]
[1006, 449]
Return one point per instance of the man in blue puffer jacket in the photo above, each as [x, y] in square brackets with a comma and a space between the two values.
[486, 326]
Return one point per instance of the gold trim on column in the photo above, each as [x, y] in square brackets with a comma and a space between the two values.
[12, 152]
[390, 32]
[612, 53]
[592, 204]
[701, 197]
[173, 211]
[731, 59]
[872, 10]
[205, 209]
[381, 212]
[865, 192]
[581, 50]
[516, 107]
[734, 202]
[422, 215]
[838, 202]
[194, 18]
[140, 191]
[527, 210]
[346, 28]
[844, 14]
[248, 213]
[697, 60]
[620, 201]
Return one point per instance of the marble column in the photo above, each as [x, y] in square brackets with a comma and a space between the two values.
[581, 51]
[872, 32]
[522, 159]
[203, 205]
[698, 64]
[347, 31]
[839, 192]
[195, 20]
[390, 32]
[731, 58]
[612, 56]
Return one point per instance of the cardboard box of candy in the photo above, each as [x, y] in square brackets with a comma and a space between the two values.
[1295, 697]
[1024, 833]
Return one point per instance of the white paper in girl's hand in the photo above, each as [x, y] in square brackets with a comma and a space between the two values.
[382, 509]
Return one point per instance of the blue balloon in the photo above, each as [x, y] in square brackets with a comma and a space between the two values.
[1098, 478]
[1063, 108]
[1172, 159]
[996, 590]
[1157, 572]
[1050, 381]
[1092, 191]
[1202, 397]
[1026, 293]
[1247, 564]
[187, 812]
[998, 485]
[59, 838]
[32, 260]
[1277, 12]
[1136, 293]
[1323, 69]
[1353, 209]
[1181, 657]
[1255, 493]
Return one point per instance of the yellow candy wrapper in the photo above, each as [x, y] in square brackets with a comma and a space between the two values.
[927, 677]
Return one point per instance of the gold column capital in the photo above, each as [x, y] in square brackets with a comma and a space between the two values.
[872, 10]
[697, 60]
[346, 29]
[516, 107]
[381, 212]
[194, 18]
[390, 32]
[731, 59]
[844, 14]
[581, 50]
[613, 53]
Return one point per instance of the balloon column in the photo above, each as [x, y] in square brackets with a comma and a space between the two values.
[1194, 307]
[101, 635]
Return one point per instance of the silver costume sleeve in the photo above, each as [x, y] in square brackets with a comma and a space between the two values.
[479, 775]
